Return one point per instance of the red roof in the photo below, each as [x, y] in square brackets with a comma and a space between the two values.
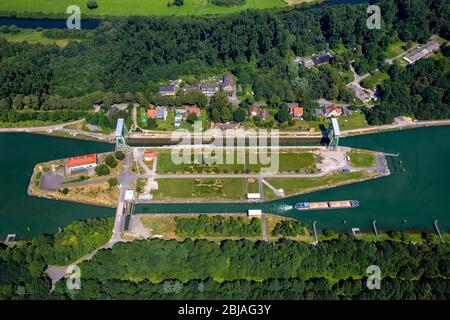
[81, 161]
[151, 113]
[333, 107]
[297, 111]
[149, 155]
[194, 109]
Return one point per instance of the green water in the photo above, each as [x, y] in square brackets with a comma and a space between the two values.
[419, 195]
[18, 211]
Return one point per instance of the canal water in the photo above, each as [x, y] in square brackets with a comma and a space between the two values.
[417, 195]
[86, 24]
[18, 211]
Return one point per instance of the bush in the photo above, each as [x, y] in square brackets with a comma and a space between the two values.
[92, 5]
[64, 191]
[102, 170]
[111, 161]
[119, 155]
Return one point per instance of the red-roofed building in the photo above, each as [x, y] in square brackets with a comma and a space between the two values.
[193, 109]
[151, 114]
[333, 111]
[254, 111]
[76, 164]
[295, 110]
[149, 156]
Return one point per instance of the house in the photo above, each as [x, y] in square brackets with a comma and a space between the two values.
[317, 60]
[263, 114]
[161, 113]
[254, 111]
[77, 164]
[295, 110]
[167, 90]
[148, 156]
[228, 84]
[151, 114]
[360, 93]
[193, 109]
[207, 89]
[422, 52]
[332, 111]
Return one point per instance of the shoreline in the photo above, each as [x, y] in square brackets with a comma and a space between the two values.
[165, 136]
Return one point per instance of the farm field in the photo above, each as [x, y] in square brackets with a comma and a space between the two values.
[138, 7]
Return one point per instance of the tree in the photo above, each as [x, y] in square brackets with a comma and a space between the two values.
[102, 170]
[111, 161]
[113, 182]
[191, 118]
[239, 115]
[119, 155]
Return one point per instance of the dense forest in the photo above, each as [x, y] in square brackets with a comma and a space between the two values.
[229, 269]
[125, 58]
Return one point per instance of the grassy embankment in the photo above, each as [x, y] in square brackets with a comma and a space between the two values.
[138, 7]
[362, 159]
[33, 37]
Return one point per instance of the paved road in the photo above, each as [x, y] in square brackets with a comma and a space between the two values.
[264, 227]
[125, 180]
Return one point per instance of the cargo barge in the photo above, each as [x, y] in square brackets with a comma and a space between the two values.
[325, 205]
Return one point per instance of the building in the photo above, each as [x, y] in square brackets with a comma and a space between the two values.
[193, 109]
[206, 88]
[77, 164]
[254, 111]
[332, 111]
[422, 52]
[161, 113]
[167, 90]
[295, 110]
[228, 84]
[149, 156]
[359, 92]
[254, 213]
[317, 60]
[263, 114]
[151, 114]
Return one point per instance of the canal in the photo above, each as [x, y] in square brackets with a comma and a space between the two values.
[417, 195]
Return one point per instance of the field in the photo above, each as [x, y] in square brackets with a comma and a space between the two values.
[206, 189]
[33, 37]
[288, 162]
[136, 7]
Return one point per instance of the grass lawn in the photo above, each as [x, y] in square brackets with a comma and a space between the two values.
[288, 162]
[374, 79]
[136, 7]
[300, 185]
[33, 37]
[252, 186]
[160, 225]
[362, 159]
[208, 189]
[356, 121]
[394, 49]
